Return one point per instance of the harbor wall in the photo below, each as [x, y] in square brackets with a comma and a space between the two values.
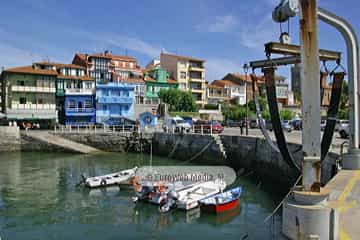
[108, 142]
[244, 153]
[9, 139]
[247, 153]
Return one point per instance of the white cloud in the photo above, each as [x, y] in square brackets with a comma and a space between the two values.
[217, 68]
[259, 33]
[135, 44]
[222, 24]
[13, 56]
[125, 42]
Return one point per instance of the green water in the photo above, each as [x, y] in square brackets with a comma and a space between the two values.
[39, 200]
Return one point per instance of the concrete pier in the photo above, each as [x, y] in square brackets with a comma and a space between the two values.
[53, 142]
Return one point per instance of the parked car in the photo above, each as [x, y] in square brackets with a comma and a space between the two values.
[208, 127]
[341, 124]
[254, 123]
[176, 124]
[189, 120]
[344, 131]
[286, 126]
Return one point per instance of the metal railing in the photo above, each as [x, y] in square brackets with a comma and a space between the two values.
[94, 129]
[205, 129]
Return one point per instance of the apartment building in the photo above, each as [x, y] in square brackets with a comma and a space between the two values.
[116, 78]
[28, 93]
[188, 72]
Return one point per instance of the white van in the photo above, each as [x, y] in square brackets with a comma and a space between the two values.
[176, 124]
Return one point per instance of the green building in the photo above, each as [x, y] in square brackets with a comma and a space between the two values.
[156, 79]
[28, 94]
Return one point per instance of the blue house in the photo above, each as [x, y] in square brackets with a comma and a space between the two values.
[79, 108]
[114, 101]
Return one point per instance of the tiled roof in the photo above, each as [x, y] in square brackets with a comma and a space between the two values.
[170, 81]
[108, 56]
[214, 86]
[182, 57]
[223, 83]
[59, 65]
[31, 70]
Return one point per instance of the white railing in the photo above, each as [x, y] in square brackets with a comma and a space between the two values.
[85, 91]
[93, 129]
[31, 106]
[33, 89]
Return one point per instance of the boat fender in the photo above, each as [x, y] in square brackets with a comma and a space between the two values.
[103, 182]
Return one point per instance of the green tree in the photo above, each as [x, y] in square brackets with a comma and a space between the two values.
[178, 100]
[286, 115]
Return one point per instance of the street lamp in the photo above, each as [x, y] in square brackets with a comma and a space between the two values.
[246, 69]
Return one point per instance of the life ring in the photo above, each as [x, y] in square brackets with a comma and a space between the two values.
[103, 182]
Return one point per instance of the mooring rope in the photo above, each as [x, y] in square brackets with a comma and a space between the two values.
[174, 148]
[201, 152]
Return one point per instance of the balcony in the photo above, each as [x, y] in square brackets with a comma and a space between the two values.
[80, 111]
[34, 89]
[197, 90]
[80, 91]
[32, 106]
[115, 100]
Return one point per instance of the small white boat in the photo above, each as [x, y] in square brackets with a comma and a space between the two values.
[188, 198]
[122, 177]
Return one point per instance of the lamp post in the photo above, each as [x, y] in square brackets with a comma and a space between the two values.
[246, 69]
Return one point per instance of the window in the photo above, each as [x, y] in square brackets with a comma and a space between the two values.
[72, 104]
[22, 100]
[68, 84]
[183, 86]
[104, 107]
[183, 75]
[21, 83]
[88, 104]
[40, 101]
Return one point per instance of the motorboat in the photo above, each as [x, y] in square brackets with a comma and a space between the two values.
[118, 178]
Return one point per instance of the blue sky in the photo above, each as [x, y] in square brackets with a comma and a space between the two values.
[226, 33]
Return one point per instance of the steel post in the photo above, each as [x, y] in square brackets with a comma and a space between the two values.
[310, 86]
[351, 160]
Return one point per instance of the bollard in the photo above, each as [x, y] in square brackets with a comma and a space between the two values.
[123, 128]
[211, 131]
[95, 129]
[78, 129]
[202, 129]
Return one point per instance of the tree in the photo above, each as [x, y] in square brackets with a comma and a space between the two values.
[178, 100]
[286, 115]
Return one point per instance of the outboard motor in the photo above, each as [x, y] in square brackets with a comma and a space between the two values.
[170, 202]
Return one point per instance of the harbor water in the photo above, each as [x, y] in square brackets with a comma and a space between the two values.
[40, 199]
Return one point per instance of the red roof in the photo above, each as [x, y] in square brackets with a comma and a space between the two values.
[60, 65]
[170, 81]
[31, 70]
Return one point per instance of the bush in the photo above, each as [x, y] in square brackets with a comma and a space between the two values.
[286, 115]
[178, 100]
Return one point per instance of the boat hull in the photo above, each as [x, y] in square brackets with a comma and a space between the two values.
[220, 208]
